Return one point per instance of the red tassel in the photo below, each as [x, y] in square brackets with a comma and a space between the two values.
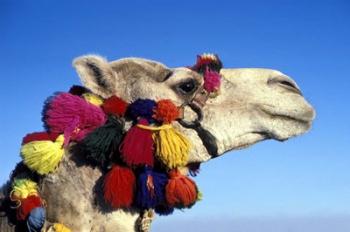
[39, 136]
[180, 191]
[26, 206]
[119, 186]
[137, 146]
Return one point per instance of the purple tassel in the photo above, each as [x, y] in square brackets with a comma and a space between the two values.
[150, 188]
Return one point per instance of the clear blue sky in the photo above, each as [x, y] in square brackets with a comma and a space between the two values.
[300, 185]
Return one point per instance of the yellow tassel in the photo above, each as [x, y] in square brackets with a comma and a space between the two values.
[43, 156]
[22, 188]
[172, 148]
[93, 99]
[58, 227]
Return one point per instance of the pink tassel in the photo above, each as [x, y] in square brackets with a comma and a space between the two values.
[73, 116]
[137, 146]
[212, 81]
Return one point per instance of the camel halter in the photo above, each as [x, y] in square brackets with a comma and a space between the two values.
[141, 166]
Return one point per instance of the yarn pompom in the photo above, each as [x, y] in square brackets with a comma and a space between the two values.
[43, 156]
[212, 81]
[115, 106]
[39, 136]
[119, 187]
[93, 99]
[72, 115]
[172, 148]
[142, 108]
[27, 205]
[207, 60]
[58, 227]
[78, 90]
[103, 141]
[180, 191]
[22, 188]
[150, 188]
[164, 209]
[166, 111]
[137, 146]
[36, 219]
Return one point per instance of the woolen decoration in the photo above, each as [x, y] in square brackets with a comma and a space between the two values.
[166, 111]
[93, 99]
[150, 188]
[43, 156]
[99, 144]
[58, 227]
[115, 106]
[26, 206]
[137, 146]
[39, 136]
[22, 188]
[142, 108]
[172, 148]
[78, 90]
[36, 219]
[119, 187]
[73, 116]
[163, 209]
[212, 81]
[180, 191]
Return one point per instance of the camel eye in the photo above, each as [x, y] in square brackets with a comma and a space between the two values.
[187, 87]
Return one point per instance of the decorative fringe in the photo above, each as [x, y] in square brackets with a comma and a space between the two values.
[142, 108]
[166, 111]
[39, 136]
[212, 81]
[58, 227]
[99, 144]
[119, 186]
[180, 191]
[26, 206]
[151, 188]
[43, 156]
[73, 116]
[93, 99]
[137, 146]
[36, 219]
[78, 90]
[22, 188]
[115, 106]
[172, 148]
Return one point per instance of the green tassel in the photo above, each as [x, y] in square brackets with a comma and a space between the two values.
[104, 141]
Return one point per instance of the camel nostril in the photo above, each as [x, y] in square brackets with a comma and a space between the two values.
[285, 83]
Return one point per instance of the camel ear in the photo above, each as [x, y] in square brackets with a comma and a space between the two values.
[96, 74]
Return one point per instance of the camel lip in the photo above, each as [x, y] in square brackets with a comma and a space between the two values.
[307, 118]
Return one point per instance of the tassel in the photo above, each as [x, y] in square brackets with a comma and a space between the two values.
[93, 99]
[72, 115]
[78, 90]
[26, 206]
[142, 108]
[166, 111]
[172, 148]
[43, 156]
[39, 136]
[180, 191]
[119, 186]
[99, 144]
[22, 188]
[151, 188]
[212, 81]
[164, 209]
[58, 227]
[115, 106]
[36, 219]
[137, 146]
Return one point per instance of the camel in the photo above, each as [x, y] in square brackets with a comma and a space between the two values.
[253, 105]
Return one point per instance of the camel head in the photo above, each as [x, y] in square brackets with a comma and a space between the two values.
[253, 104]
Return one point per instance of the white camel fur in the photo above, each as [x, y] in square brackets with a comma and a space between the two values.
[253, 105]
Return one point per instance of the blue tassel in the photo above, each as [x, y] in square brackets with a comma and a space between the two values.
[151, 188]
[164, 210]
[36, 219]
